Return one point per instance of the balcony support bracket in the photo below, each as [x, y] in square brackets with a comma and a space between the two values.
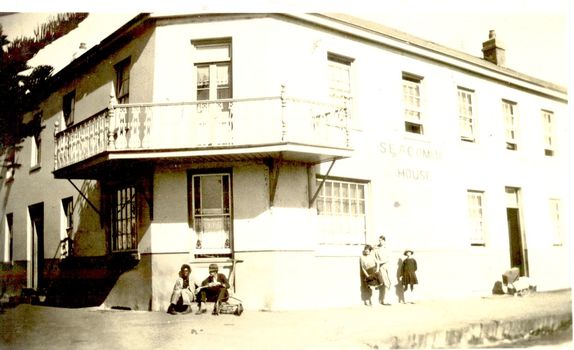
[85, 197]
[274, 164]
[312, 201]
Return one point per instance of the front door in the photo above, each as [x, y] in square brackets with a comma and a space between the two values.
[211, 210]
[36, 270]
[517, 245]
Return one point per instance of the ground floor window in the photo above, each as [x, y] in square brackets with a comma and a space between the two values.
[210, 213]
[124, 219]
[475, 201]
[341, 211]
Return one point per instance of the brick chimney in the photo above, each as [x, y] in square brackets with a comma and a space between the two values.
[493, 50]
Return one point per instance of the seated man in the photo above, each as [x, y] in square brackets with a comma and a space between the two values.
[183, 292]
[214, 287]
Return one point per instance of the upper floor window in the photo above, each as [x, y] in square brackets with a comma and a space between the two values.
[556, 221]
[9, 235]
[475, 200]
[123, 81]
[123, 219]
[511, 124]
[412, 103]
[339, 78]
[68, 106]
[341, 210]
[549, 132]
[466, 115]
[36, 156]
[213, 69]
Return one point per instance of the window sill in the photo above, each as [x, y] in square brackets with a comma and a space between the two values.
[35, 168]
[339, 250]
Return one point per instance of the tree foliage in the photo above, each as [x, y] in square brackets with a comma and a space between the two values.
[21, 92]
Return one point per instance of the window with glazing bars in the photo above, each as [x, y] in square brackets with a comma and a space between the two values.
[476, 217]
[124, 219]
[412, 104]
[123, 81]
[211, 202]
[511, 124]
[339, 78]
[549, 130]
[341, 210]
[465, 114]
[555, 219]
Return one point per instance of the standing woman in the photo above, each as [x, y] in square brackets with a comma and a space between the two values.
[408, 273]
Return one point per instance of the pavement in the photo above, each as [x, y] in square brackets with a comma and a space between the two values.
[461, 323]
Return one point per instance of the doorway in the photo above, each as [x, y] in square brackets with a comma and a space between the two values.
[36, 270]
[517, 243]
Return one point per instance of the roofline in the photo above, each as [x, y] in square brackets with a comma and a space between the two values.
[356, 27]
[428, 49]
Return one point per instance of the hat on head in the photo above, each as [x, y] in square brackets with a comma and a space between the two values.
[408, 251]
[185, 266]
[213, 267]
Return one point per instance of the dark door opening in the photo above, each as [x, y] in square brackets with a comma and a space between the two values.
[517, 245]
[515, 239]
[37, 244]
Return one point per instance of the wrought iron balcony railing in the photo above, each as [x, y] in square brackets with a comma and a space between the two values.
[230, 123]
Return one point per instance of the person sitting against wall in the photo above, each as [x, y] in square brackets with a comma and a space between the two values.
[183, 292]
[214, 288]
[370, 275]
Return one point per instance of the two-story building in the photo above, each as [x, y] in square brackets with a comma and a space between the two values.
[277, 145]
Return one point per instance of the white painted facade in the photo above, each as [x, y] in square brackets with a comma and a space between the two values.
[415, 185]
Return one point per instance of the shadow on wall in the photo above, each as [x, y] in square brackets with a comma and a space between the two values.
[87, 276]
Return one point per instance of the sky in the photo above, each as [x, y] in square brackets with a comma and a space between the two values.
[534, 33]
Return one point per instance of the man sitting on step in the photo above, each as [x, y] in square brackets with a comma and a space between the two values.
[214, 288]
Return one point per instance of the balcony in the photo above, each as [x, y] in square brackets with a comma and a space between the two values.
[219, 130]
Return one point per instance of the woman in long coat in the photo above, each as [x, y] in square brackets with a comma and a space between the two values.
[408, 272]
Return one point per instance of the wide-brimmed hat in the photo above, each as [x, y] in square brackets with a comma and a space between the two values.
[213, 267]
[408, 251]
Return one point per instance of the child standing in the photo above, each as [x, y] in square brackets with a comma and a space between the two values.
[408, 273]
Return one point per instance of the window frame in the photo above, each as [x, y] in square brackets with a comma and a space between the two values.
[194, 195]
[466, 114]
[511, 124]
[123, 76]
[36, 149]
[412, 82]
[476, 223]
[340, 89]
[358, 210]
[549, 132]
[130, 215]
[9, 236]
[212, 59]
[69, 107]
[555, 212]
